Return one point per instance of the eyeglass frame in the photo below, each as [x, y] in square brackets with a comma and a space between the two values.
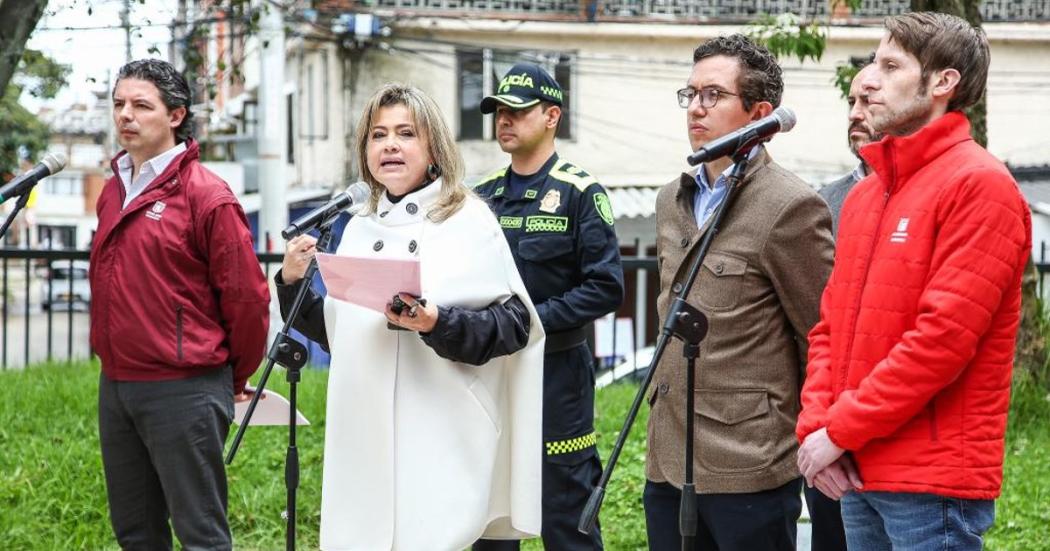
[694, 92]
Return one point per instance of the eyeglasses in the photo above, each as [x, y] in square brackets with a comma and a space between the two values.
[708, 96]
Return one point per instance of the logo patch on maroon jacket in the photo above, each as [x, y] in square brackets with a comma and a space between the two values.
[155, 211]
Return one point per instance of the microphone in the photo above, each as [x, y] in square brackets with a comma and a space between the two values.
[780, 120]
[355, 195]
[50, 164]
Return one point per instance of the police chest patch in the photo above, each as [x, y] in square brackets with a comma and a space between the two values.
[601, 202]
[546, 224]
[551, 201]
[510, 222]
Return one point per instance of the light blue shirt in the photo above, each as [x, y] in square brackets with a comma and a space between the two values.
[147, 172]
[708, 197]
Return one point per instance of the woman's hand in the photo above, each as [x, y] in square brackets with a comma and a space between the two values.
[297, 256]
[415, 316]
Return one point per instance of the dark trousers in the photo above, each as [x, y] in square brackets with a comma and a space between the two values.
[568, 478]
[825, 516]
[726, 522]
[162, 444]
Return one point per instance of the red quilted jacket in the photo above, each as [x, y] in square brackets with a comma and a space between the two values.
[909, 367]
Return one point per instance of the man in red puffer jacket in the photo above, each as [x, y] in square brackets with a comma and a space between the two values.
[908, 379]
[178, 319]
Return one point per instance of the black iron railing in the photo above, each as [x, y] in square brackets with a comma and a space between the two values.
[44, 299]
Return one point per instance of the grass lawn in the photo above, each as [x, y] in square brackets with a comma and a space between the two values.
[52, 494]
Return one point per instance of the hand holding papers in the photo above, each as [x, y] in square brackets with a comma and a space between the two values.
[272, 409]
[368, 282]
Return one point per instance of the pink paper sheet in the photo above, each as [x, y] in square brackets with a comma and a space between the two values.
[368, 282]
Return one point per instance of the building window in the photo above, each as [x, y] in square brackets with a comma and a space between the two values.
[63, 184]
[57, 237]
[479, 72]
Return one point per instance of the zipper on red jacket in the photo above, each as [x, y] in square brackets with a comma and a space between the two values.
[867, 270]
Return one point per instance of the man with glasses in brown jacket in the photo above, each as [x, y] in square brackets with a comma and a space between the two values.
[760, 288]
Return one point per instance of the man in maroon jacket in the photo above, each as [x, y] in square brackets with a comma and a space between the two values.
[909, 366]
[178, 319]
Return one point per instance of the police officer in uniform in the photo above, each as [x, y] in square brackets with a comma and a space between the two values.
[559, 224]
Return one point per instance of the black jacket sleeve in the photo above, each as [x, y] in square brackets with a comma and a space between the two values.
[311, 315]
[476, 336]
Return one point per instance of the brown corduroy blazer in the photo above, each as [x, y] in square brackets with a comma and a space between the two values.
[760, 287]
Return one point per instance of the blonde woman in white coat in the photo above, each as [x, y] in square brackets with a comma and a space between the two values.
[433, 435]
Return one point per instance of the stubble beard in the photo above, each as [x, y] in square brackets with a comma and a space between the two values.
[907, 119]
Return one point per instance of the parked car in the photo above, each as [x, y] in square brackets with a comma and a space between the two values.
[59, 274]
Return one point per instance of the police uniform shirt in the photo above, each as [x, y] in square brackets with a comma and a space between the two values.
[559, 225]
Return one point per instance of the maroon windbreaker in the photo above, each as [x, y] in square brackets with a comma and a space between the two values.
[176, 289]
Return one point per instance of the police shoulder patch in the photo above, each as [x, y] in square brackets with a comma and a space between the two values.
[572, 174]
[604, 208]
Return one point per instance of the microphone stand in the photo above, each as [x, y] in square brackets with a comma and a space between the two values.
[19, 205]
[690, 325]
[291, 354]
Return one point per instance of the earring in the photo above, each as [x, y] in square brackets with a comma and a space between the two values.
[433, 172]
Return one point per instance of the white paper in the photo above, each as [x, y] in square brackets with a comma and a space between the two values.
[368, 282]
[272, 409]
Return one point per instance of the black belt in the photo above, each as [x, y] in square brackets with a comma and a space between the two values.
[564, 340]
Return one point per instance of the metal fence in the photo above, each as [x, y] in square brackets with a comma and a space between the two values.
[45, 301]
[44, 305]
[703, 10]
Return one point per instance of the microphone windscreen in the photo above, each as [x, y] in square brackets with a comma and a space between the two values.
[359, 193]
[786, 117]
[54, 162]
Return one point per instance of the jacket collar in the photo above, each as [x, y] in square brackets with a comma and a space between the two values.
[412, 208]
[503, 191]
[192, 153]
[897, 158]
[688, 178]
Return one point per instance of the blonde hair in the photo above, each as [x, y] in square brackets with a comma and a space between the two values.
[444, 153]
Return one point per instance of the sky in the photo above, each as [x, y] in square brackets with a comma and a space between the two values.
[95, 45]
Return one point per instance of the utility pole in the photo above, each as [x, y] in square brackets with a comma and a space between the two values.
[273, 212]
[125, 21]
[176, 51]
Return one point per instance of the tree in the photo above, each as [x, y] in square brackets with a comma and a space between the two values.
[21, 134]
[18, 18]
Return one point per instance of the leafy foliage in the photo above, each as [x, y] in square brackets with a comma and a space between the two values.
[787, 35]
[22, 135]
[42, 76]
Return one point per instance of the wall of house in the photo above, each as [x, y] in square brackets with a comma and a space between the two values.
[629, 128]
[315, 72]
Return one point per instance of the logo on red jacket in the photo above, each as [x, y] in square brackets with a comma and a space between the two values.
[154, 212]
[901, 235]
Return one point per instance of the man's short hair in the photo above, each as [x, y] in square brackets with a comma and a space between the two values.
[174, 91]
[760, 76]
[941, 41]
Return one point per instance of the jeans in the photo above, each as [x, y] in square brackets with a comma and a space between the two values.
[878, 521]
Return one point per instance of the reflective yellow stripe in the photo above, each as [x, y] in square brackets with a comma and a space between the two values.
[572, 444]
[493, 176]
